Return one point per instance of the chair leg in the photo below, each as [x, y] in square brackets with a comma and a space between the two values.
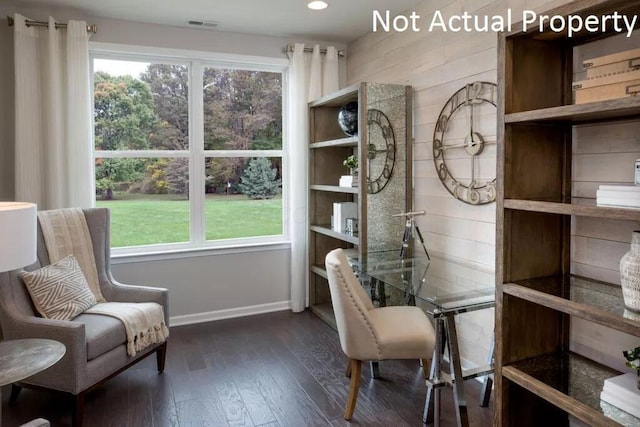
[15, 392]
[356, 366]
[425, 365]
[78, 410]
[161, 356]
[348, 371]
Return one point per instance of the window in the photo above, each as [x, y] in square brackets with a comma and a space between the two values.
[188, 153]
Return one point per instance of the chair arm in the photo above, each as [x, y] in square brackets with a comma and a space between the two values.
[118, 292]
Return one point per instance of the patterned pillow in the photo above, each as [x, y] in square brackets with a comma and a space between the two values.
[59, 291]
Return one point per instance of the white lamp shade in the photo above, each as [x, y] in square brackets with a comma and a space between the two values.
[18, 229]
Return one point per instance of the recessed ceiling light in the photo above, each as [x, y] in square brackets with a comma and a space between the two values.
[317, 5]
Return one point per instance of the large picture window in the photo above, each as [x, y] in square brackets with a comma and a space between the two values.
[188, 153]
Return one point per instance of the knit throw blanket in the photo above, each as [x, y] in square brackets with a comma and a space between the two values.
[143, 322]
[65, 233]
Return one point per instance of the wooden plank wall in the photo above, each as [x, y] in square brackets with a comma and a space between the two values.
[602, 154]
[437, 64]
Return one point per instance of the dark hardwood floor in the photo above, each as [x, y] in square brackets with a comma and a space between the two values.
[280, 369]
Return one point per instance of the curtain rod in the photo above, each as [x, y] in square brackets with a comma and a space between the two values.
[90, 28]
[289, 48]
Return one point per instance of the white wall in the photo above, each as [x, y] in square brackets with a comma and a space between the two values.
[436, 64]
[201, 287]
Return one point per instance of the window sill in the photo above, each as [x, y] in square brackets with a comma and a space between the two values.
[129, 257]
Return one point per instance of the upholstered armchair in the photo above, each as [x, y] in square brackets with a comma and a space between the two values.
[96, 349]
[373, 334]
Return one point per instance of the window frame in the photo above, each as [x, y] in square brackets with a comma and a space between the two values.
[196, 61]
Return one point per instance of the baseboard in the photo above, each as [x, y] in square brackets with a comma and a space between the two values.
[210, 316]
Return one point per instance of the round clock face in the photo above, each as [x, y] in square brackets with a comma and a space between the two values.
[381, 156]
[464, 133]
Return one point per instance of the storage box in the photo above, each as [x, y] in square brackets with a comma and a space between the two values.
[615, 63]
[612, 86]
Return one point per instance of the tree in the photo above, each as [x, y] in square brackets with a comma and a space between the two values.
[124, 119]
[259, 180]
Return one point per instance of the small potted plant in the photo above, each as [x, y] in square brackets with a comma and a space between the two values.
[633, 361]
[352, 163]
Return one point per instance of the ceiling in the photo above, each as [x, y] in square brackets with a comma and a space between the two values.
[342, 21]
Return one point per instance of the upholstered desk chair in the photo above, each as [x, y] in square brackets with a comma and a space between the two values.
[96, 344]
[369, 333]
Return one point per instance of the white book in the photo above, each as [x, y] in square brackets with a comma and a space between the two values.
[625, 385]
[623, 399]
[622, 203]
[342, 211]
[620, 187]
[635, 195]
[617, 402]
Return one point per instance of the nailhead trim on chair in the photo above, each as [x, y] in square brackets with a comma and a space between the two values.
[375, 338]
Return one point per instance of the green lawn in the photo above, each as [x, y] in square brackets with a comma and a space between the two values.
[144, 220]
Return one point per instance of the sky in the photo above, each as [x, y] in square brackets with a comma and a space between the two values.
[119, 67]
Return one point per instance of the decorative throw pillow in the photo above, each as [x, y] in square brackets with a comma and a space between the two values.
[59, 291]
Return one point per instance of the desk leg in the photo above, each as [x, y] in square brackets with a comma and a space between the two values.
[431, 413]
[382, 302]
[487, 383]
[459, 397]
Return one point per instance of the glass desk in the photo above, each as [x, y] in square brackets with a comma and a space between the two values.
[443, 288]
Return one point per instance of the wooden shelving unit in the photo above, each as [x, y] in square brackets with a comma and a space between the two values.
[539, 381]
[328, 147]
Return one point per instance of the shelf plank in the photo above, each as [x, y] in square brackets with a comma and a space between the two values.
[582, 379]
[334, 189]
[605, 212]
[329, 232]
[319, 270]
[337, 99]
[590, 112]
[592, 301]
[325, 312]
[351, 141]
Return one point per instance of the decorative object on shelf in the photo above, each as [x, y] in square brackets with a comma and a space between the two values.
[609, 77]
[630, 274]
[381, 151]
[462, 106]
[352, 163]
[348, 118]
[623, 392]
[633, 361]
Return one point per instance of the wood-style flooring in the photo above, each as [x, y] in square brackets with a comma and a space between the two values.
[279, 369]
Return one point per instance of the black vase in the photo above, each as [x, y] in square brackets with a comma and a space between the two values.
[348, 118]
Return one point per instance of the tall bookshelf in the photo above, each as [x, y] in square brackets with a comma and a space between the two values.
[539, 381]
[329, 146]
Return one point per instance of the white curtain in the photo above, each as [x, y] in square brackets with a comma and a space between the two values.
[54, 163]
[309, 78]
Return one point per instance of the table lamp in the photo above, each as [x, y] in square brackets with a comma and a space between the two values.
[18, 229]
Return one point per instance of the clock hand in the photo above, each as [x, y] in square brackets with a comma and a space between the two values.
[466, 144]
[471, 124]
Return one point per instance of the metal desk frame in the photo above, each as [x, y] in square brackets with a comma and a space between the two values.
[446, 340]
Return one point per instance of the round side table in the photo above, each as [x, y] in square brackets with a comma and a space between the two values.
[19, 359]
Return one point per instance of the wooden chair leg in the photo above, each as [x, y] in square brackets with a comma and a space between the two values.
[78, 410]
[15, 392]
[348, 371]
[161, 356]
[425, 368]
[356, 366]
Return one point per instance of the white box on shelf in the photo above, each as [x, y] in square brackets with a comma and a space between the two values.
[342, 211]
[346, 181]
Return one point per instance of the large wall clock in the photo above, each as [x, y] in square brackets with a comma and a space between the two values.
[381, 151]
[459, 143]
